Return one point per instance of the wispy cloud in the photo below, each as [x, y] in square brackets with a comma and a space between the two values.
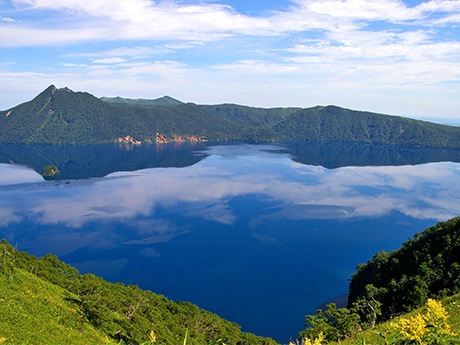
[144, 19]
[6, 19]
[297, 51]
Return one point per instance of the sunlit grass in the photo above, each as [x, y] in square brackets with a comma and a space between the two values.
[426, 325]
[36, 312]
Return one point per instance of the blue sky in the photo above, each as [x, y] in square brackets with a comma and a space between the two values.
[388, 56]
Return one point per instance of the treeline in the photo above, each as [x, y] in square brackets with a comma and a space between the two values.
[426, 266]
[61, 116]
[125, 312]
[391, 284]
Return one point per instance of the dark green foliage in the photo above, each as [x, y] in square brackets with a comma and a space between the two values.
[61, 116]
[334, 323]
[250, 116]
[427, 266]
[338, 124]
[127, 313]
[368, 306]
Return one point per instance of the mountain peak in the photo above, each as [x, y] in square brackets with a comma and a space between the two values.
[166, 100]
[64, 89]
[52, 89]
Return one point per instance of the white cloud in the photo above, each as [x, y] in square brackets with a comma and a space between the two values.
[391, 10]
[449, 19]
[144, 19]
[113, 60]
[257, 67]
[7, 19]
[439, 6]
[23, 36]
[293, 54]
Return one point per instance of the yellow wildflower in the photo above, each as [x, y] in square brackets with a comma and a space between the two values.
[152, 337]
[437, 317]
[413, 328]
[316, 341]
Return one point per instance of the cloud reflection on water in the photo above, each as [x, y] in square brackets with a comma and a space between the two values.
[204, 190]
[205, 186]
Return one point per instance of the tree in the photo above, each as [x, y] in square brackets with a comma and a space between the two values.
[333, 323]
[368, 306]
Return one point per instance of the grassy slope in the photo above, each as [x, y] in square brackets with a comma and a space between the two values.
[385, 334]
[37, 312]
[45, 301]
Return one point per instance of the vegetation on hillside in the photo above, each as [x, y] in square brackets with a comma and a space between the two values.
[61, 116]
[335, 123]
[45, 301]
[34, 311]
[435, 323]
[425, 268]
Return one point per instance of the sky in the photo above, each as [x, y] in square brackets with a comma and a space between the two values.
[388, 56]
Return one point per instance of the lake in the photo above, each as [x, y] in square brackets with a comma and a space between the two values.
[260, 234]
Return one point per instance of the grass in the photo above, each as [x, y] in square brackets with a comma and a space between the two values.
[36, 312]
[385, 333]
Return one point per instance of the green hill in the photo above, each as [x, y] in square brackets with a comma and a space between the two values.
[44, 301]
[334, 123]
[426, 266]
[37, 312]
[61, 116]
[393, 297]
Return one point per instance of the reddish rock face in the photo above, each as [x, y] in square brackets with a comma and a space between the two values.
[163, 139]
[128, 140]
[177, 138]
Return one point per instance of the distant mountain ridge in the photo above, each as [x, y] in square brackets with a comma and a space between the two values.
[165, 100]
[62, 116]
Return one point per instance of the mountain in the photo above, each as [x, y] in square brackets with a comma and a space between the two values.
[339, 124]
[165, 100]
[45, 301]
[61, 116]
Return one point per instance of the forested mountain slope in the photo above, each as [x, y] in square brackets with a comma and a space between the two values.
[334, 123]
[61, 116]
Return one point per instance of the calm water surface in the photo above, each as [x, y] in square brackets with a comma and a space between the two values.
[259, 234]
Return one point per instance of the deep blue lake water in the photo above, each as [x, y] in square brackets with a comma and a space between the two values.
[259, 234]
